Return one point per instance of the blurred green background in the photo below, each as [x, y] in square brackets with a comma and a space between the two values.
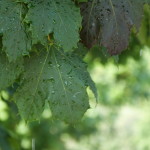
[120, 120]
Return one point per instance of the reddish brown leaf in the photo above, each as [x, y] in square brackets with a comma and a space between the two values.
[109, 23]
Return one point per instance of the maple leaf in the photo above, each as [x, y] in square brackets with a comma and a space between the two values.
[60, 17]
[109, 23]
[59, 78]
[16, 41]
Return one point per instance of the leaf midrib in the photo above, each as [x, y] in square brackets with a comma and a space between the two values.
[56, 62]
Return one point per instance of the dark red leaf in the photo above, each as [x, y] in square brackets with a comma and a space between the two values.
[109, 23]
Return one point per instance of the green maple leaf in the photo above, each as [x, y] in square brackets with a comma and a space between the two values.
[57, 77]
[16, 41]
[60, 17]
[9, 71]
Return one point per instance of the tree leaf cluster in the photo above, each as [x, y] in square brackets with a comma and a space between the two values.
[41, 50]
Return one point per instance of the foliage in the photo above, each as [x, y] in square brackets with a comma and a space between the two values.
[132, 80]
[109, 23]
[119, 122]
[55, 78]
[40, 50]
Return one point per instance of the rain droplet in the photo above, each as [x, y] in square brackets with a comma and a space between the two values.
[66, 83]
[51, 80]
[53, 92]
[58, 65]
